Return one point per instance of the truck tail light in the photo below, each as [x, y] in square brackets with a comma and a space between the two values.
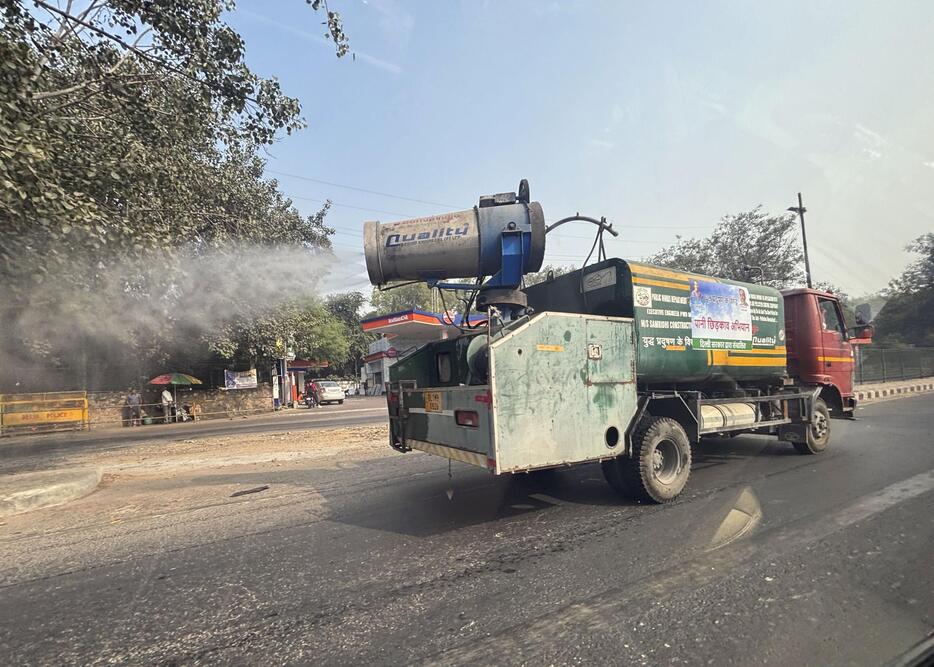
[484, 398]
[466, 418]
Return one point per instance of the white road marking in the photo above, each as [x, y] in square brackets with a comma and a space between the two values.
[601, 612]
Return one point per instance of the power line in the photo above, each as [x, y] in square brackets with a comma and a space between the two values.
[366, 190]
[358, 232]
[358, 208]
[425, 201]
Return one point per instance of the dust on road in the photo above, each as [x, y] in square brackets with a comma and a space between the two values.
[232, 450]
[155, 479]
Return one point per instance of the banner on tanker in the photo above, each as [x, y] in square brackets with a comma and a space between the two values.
[240, 379]
[721, 318]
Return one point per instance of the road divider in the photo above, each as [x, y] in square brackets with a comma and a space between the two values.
[32, 491]
[883, 391]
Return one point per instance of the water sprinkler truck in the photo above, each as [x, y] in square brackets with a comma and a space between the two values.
[620, 362]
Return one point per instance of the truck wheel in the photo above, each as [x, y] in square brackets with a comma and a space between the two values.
[659, 466]
[818, 432]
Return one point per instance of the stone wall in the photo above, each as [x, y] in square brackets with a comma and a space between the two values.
[106, 408]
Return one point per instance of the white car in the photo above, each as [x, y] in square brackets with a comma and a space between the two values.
[329, 391]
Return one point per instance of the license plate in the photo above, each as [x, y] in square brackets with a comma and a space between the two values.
[432, 401]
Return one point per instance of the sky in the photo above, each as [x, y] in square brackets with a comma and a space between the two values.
[663, 117]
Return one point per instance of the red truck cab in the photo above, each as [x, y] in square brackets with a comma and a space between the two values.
[820, 347]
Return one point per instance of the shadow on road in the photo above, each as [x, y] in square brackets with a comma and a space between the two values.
[712, 452]
[428, 503]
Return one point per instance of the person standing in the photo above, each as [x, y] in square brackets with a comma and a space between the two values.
[167, 402]
[134, 402]
[311, 396]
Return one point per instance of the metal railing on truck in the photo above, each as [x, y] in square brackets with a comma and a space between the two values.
[884, 364]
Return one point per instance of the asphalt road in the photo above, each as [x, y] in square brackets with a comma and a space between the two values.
[770, 557]
[40, 452]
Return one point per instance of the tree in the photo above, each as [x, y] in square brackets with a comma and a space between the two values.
[129, 132]
[416, 295]
[908, 316]
[739, 243]
[114, 116]
[305, 324]
[542, 275]
[345, 308]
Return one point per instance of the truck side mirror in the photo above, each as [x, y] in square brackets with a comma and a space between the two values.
[863, 314]
[861, 334]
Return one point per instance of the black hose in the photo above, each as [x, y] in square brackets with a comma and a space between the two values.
[602, 223]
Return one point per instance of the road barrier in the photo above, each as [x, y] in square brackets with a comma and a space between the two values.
[874, 392]
[34, 413]
[881, 364]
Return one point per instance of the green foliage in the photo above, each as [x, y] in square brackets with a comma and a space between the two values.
[129, 138]
[739, 242]
[908, 316]
[112, 147]
[918, 277]
[406, 297]
[542, 276]
[304, 324]
[346, 308]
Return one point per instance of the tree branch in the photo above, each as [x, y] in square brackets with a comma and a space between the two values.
[122, 42]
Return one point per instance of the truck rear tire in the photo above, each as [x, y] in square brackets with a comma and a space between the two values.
[659, 465]
[818, 433]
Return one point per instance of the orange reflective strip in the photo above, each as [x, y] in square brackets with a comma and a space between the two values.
[642, 269]
[659, 283]
[755, 361]
[756, 350]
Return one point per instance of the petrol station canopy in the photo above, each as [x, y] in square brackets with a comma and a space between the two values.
[418, 325]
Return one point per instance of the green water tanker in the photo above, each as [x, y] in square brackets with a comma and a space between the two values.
[621, 362]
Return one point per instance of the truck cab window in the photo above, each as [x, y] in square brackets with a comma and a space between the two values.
[830, 316]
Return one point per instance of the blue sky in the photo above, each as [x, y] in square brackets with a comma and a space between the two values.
[661, 116]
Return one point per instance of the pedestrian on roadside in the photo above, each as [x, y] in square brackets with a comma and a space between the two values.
[134, 402]
[167, 402]
[312, 396]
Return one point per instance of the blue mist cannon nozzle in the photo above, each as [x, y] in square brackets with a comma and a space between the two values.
[503, 237]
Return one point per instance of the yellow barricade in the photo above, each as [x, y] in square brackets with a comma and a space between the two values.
[54, 411]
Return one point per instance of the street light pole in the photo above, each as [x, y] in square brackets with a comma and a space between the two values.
[799, 209]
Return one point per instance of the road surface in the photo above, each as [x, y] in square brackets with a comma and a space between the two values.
[770, 557]
[40, 452]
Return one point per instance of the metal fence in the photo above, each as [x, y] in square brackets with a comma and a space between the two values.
[881, 364]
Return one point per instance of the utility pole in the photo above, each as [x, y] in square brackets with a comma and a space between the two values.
[799, 209]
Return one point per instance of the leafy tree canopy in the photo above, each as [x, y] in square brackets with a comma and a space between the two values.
[405, 297]
[346, 308]
[129, 132]
[546, 271]
[739, 247]
[908, 316]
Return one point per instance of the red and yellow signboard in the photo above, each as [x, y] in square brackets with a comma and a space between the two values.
[43, 411]
[43, 417]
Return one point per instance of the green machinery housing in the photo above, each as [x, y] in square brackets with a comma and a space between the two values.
[562, 384]
[620, 362]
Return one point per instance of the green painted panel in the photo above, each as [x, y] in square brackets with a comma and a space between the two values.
[437, 423]
[559, 382]
[693, 328]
